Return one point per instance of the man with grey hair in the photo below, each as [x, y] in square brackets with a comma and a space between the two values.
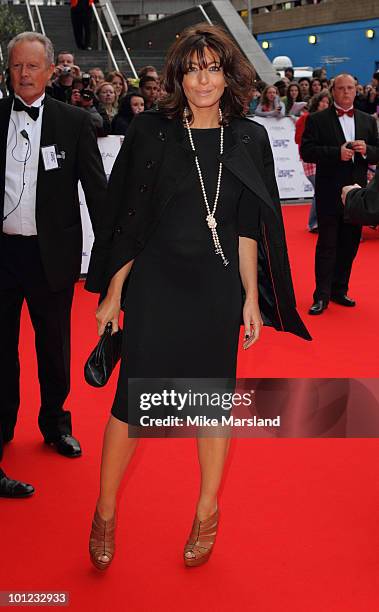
[46, 147]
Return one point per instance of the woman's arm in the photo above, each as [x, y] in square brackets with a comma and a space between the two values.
[261, 113]
[109, 308]
[248, 264]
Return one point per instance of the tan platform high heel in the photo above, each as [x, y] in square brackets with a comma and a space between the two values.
[201, 540]
[102, 542]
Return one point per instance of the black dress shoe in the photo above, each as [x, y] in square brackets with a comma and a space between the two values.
[14, 488]
[318, 307]
[66, 445]
[344, 300]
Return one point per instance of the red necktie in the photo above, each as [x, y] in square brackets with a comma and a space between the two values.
[341, 112]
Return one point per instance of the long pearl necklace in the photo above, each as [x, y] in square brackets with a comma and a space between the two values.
[210, 219]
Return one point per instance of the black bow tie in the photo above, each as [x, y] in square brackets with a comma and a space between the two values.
[33, 111]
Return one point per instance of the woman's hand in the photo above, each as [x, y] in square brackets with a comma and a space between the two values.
[108, 311]
[252, 321]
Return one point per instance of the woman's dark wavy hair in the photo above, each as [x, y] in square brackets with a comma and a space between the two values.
[238, 72]
[289, 101]
[316, 99]
[125, 109]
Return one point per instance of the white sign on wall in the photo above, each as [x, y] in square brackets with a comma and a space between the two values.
[292, 182]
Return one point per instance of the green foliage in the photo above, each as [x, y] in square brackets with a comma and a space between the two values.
[10, 25]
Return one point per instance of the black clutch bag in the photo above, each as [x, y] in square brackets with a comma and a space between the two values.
[101, 362]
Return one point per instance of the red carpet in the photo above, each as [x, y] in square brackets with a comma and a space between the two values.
[299, 529]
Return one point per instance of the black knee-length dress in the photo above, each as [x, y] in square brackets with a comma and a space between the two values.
[183, 306]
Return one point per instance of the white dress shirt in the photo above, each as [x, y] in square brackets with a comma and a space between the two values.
[23, 219]
[347, 124]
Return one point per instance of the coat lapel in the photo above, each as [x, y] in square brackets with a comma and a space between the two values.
[360, 126]
[48, 137]
[6, 107]
[243, 166]
[178, 162]
[336, 125]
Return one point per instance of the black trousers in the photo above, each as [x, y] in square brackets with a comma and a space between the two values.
[337, 246]
[22, 278]
[81, 26]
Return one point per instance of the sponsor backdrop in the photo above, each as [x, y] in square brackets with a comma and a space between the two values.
[290, 176]
[291, 180]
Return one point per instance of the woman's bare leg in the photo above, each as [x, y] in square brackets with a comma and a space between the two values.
[212, 454]
[118, 450]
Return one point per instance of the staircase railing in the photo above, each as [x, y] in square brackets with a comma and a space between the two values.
[202, 9]
[39, 19]
[32, 24]
[104, 36]
[29, 7]
[118, 34]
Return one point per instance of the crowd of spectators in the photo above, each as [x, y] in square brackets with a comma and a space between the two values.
[291, 97]
[113, 100]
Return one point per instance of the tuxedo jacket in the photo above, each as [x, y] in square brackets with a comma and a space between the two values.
[57, 204]
[153, 161]
[321, 144]
[362, 205]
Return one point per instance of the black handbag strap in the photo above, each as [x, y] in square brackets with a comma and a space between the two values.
[103, 339]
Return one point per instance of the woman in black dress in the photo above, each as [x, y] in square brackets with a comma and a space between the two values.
[183, 227]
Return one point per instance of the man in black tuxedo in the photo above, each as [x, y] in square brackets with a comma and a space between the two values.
[342, 142]
[46, 147]
[362, 205]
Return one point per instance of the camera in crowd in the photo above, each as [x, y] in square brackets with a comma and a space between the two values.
[87, 94]
[86, 80]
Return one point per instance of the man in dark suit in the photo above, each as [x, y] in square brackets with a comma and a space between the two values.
[46, 147]
[342, 142]
[362, 204]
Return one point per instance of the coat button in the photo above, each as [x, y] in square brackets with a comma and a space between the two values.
[131, 212]
[161, 136]
[118, 230]
[143, 188]
[246, 138]
[150, 164]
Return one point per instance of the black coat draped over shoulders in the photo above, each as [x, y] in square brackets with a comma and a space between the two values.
[153, 161]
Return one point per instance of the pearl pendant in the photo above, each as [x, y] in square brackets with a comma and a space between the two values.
[212, 223]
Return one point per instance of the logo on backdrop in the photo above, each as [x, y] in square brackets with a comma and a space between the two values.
[286, 173]
[280, 143]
